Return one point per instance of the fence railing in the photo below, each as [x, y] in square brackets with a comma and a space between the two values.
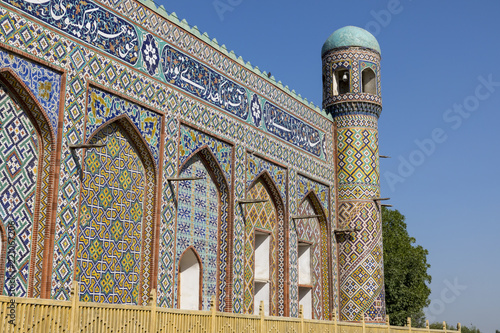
[52, 316]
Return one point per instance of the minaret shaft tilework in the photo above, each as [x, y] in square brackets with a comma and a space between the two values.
[355, 105]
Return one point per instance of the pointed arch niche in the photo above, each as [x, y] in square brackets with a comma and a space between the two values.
[26, 168]
[264, 233]
[203, 223]
[117, 204]
[313, 263]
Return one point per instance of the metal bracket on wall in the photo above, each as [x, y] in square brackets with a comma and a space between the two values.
[381, 199]
[250, 201]
[303, 217]
[384, 156]
[181, 179]
[73, 148]
[345, 230]
[88, 145]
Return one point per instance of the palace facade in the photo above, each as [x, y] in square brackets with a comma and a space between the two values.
[136, 154]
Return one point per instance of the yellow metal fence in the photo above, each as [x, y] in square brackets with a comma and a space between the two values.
[51, 316]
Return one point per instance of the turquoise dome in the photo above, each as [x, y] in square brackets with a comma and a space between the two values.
[350, 36]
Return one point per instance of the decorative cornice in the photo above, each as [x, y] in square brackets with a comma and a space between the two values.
[350, 108]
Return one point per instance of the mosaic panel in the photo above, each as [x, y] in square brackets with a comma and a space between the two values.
[177, 36]
[24, 98]
[306, 185]
[309, 230]
[19, 159]
[44, 83]
[217, 157]
[83, 64]
[198, 224]
[293, 130]
[111, 220]
[262, 216]
[256, 166]
[360, 263]
[197, 79]
[275, 179]
[192, 140]
[105, 106]
[358, 156]
[88, 22]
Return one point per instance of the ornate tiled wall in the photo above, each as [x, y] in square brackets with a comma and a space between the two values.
[44, 85]
[18, 168]
[360, 253]
[165, 98]
[111, 223]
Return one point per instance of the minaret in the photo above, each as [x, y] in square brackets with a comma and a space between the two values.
[351, 94]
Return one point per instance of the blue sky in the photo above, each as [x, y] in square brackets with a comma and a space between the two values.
[440, 121]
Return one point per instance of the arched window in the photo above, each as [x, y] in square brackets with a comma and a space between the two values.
[341, 82]
[189, 281]
[369, 81]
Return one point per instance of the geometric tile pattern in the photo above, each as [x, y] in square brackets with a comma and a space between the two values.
[83, 64]
[216, 157]
[198, 224]
[86, 64]
[358, 156]
[261, 216]
[40, 121]
[361, 263]
[358, 172]
[19, 159]
[316, 233]
[262, 172]
[317, 195]
[166, 255]
[44, 83]
[360, 253]
[111, 220]
[104, 107]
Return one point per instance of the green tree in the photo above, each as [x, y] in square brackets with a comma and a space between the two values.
[405, 271]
